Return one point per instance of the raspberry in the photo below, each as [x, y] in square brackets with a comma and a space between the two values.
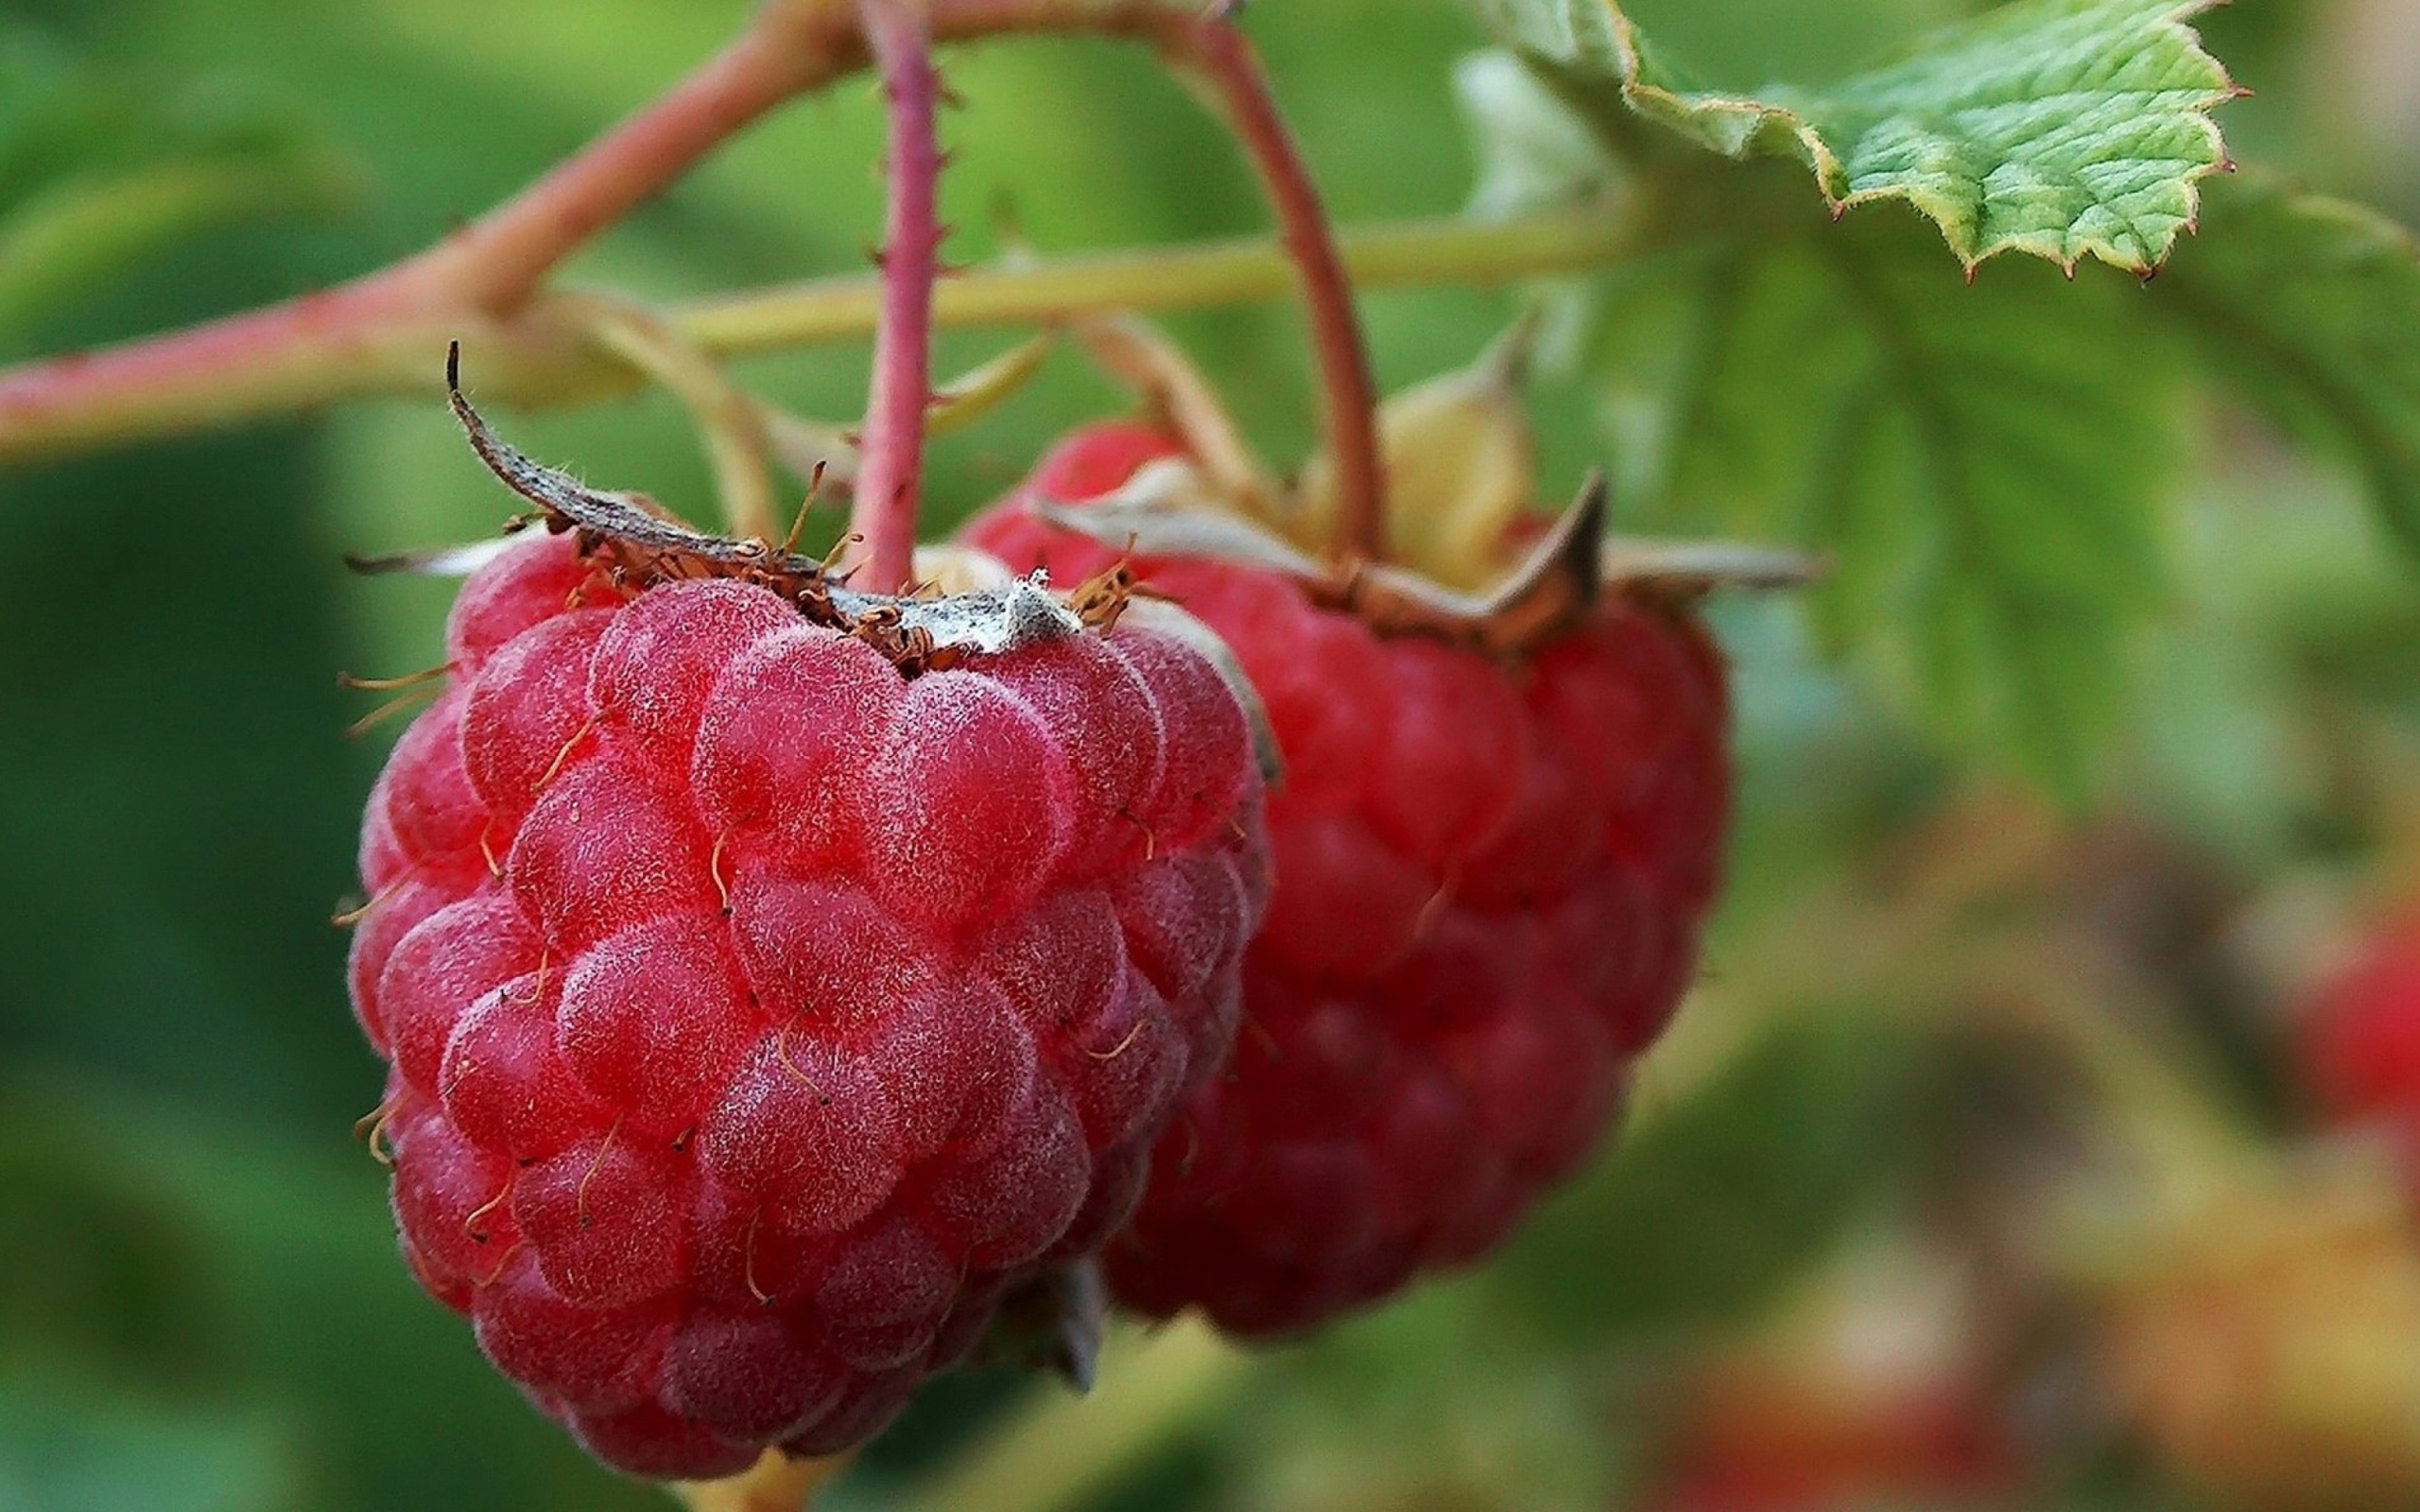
[2360, 1043]
[2360, 1030]
[1491, 872]
[1870, 1389]
[758, 1013]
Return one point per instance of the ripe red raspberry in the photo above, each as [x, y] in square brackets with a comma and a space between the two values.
[1490, 875]
[2361, 1038]
[758, 1013]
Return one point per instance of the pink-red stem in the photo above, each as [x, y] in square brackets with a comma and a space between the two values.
[1220, 53]
[890, 478]
[358, 336]
[489, 268]
[496, 262]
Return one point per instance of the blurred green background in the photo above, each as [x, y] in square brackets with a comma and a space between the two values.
[200, 1304]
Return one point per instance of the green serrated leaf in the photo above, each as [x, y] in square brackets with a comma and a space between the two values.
[2311, 306]
[1982, 463]
[2065, 128]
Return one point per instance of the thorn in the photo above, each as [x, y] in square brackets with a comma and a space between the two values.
[878, 257]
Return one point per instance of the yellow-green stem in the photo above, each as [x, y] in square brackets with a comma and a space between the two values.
[1068, 1449]
[540, 358]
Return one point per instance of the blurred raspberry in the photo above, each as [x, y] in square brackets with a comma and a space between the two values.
[757, 1014]
[2361, 1047]
[1491, 877]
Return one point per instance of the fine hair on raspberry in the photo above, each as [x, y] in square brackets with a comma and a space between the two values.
[758, 1013]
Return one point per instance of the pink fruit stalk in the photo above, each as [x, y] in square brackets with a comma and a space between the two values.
[1491, 875]
[757, 1011]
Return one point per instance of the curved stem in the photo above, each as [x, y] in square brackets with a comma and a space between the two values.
[1193, 276]
[281, 361]
[498, 260]
[891, 477]
[387, 333]
[1213, 48]
[738, 443]
[401, 317]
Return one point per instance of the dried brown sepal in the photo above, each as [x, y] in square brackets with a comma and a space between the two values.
[1461, 471]
[983, 621]
[1554, 587]
[1052, 1325]
[1169, 510]
[1178, 396]
[968, 604]
[1172, 509]
[1689, 569]
[446, 561]
[640, 540]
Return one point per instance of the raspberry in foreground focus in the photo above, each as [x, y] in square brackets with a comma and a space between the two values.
[1491, 875]
[760, 1005]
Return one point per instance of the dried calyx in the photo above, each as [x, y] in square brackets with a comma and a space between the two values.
[1467, 564]
[968, 606]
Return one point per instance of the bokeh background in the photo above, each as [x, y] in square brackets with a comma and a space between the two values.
[1893, 1225]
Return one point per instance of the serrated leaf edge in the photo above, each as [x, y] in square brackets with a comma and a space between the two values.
[1668, 107]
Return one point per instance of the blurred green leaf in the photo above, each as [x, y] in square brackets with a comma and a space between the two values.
[1717, 1201]
[1982, 462]
[67, 1446]
[2066, 128]
[1984, 459]
[96, 175]
[1533, 152]
[2310, 308]
[268, 1265]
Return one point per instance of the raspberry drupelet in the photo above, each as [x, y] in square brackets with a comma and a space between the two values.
[1490, 875]
[759, 1006]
